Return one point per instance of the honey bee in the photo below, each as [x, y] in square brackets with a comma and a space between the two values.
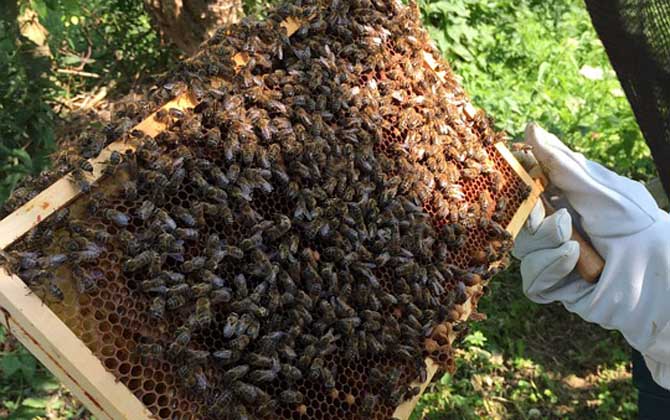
[221, 295]
[231, 325]
[176, 113]
[81, 163]
[291, 396]
[194, 264]
[220, 211]
[240, 343]
[290, 372]
[154, 180]
[176, 178]
[130, 242]
[146, 210]
[249, 215]
[187, 234]
[262, 376]
[148, 351]
[50, 261]
[215, 194]
[142, 260]
[235, 374]
[162, 116]
[175, 301]
[192, 378]
[118, 218]
[87, 281]
[220, 179]
[249, 393]
[16, 261]
[471, 279]
[221, 405]
[368, 404]
[240, 283]
[226, 357]
[244, 324]
[211, 279]
[80, 179]
[233, 173]
[347, 325]
[157, 308]
[163, 221]
[88, 253]
[184, 216]
[199, 290]
[179, 289]
[497, 231]
[497, 181]
[268, 408]
[55, 293]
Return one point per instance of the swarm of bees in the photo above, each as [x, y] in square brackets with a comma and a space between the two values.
[315, 210]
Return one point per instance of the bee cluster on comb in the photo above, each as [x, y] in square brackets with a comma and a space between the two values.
[296, 244]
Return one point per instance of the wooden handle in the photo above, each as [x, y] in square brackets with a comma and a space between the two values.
[590, 264]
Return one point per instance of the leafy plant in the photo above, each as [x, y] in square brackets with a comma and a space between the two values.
[88, 45]
[27, 390]
[526, 361]
[529, 60]
[26, 126]
[111, 41]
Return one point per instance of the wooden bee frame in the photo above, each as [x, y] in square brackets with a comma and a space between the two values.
[64, 354]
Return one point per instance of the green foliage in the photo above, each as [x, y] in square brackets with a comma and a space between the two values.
[27, 390]
[257, 8]
[26, 126]
[531, 60]
[527, 361]
[112, 40]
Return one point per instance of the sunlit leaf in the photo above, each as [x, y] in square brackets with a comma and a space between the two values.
[10, 364]
[35, 402]
[40, 7]
[28, 367]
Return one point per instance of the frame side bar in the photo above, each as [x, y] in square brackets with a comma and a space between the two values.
[404, 410]
[55, 345]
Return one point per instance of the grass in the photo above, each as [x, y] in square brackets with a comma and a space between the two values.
[521, 60]
[537, 61]
[529, 361]
[28, 390]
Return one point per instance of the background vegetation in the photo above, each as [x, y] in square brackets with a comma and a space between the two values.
[521, 60]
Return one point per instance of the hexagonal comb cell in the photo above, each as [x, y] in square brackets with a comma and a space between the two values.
[296, 244]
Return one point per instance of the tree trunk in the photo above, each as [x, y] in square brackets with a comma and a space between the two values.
[187, 23]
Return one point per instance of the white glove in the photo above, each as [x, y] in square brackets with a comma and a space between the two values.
[626, 227]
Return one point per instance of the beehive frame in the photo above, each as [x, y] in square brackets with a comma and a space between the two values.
[64, 354]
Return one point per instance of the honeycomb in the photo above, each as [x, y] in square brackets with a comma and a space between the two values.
[112, 315]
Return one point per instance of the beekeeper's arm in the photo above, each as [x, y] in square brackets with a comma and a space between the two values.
[627, 228]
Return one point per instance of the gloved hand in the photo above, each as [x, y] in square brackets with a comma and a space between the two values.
[626, 227]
